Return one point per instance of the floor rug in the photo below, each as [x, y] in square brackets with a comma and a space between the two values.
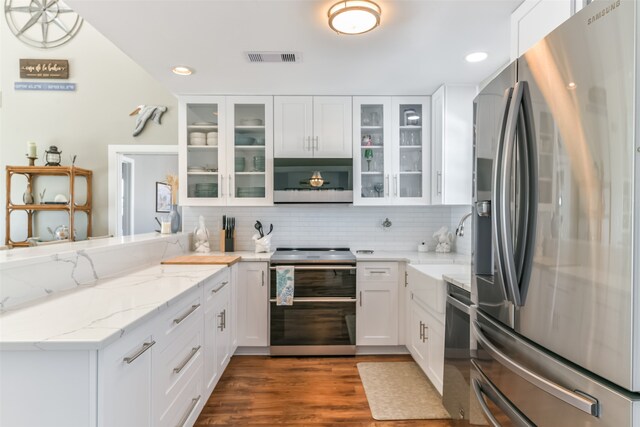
[400, 391]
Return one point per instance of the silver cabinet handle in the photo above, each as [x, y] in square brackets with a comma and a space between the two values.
[317, 146]
[231, 194]
[378, 272]
[406, 279]
[221, 185]
[360, 298]
[224, 319]
[262, 277]
[386, 187]
[146, 346]
[220, 325]
[192, 406]
[187, 314]
[222, 285]
[579, 401]
[309, 146]
[395, 184]
[421, 330]
[193, 352]
[484, 387]
[425, 332]
[439, 182]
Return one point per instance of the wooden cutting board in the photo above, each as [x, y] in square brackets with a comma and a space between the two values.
[203, 259]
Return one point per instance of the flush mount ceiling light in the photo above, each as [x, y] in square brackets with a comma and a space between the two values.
[354, 16]
[476, 57]
[182, 70]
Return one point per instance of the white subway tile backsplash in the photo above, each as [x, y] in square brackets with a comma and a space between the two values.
[356, 227]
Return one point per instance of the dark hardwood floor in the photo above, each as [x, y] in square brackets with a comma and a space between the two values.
[297, 391]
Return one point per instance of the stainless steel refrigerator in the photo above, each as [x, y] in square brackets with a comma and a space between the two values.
[557, 228]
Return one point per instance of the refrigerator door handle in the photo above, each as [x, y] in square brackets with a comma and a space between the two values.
[505, 231]
[484, 387]
[576, 399]
[496, 191]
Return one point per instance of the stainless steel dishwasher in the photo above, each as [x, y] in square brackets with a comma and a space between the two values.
[456, 390]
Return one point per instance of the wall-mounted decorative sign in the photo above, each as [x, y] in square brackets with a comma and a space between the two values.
[44, 69]
[65, 87]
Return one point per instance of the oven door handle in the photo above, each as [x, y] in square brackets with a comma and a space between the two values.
[327, 299]
[458, 304]
[318, 267]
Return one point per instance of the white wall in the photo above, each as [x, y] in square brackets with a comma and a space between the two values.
[109, 86]
[149, 169]
[330, 225]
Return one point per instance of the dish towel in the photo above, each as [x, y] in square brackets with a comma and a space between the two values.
[284, 285]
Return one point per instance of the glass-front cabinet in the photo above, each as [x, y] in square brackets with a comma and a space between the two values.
[391, 149]
[226, 151]
[250, 158]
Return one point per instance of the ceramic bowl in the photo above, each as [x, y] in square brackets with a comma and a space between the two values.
[252, 122]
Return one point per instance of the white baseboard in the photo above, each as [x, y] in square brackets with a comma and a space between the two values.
[360, 350]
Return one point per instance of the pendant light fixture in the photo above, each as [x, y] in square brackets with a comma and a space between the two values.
[354, 16]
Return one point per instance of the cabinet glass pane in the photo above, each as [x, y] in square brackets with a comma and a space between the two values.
[202, 150]
[372, 150]
[249, 150]
[410, 156]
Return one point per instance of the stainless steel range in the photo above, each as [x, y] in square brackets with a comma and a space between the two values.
[322, 319]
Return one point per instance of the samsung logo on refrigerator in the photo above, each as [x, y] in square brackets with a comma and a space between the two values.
[603, 12]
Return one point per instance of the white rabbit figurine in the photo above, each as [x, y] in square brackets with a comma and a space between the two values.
[443, 239]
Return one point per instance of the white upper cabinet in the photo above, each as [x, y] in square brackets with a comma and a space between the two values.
[451, 144]
[312, 126]
[293, 126]
[391, 143]
[226, 150]
[332, 126]
[534, 19]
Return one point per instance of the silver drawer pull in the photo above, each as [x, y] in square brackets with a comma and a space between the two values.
[221, 325]
[146, 346]
[184, 316]
[194, 350]
[378, 272]
[185, 417]
[222, 285]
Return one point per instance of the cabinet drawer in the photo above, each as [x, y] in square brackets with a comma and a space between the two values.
[378, 271]
[215, 286]
[185, 408]
[175, 364]
[176, 319]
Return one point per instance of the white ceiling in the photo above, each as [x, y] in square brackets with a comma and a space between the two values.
[419, 45]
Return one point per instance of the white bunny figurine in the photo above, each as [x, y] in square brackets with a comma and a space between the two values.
[443, 239]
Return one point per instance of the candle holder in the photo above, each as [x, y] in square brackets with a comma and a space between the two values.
[32, 160]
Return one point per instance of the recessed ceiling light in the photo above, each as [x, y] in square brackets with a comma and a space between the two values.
[354, 16]
[572, 86]
[181, 70]
[476, 57]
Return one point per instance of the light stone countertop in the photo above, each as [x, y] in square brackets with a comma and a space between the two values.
[93, 317]
[415, 257]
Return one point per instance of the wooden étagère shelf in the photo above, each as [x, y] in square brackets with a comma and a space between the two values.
[30, 172]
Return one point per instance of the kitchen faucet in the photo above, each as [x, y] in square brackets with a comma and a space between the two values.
[460, 229]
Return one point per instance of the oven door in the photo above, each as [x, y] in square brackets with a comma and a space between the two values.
[322, 319]
[314, 326]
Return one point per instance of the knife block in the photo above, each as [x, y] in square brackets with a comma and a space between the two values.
[227, 244]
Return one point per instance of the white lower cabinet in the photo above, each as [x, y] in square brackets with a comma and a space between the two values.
[253, 304]
[217, 295]
[124, 381]
[377, 309]
[424, 332]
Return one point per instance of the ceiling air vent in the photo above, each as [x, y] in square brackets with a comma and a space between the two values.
[274, 56]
